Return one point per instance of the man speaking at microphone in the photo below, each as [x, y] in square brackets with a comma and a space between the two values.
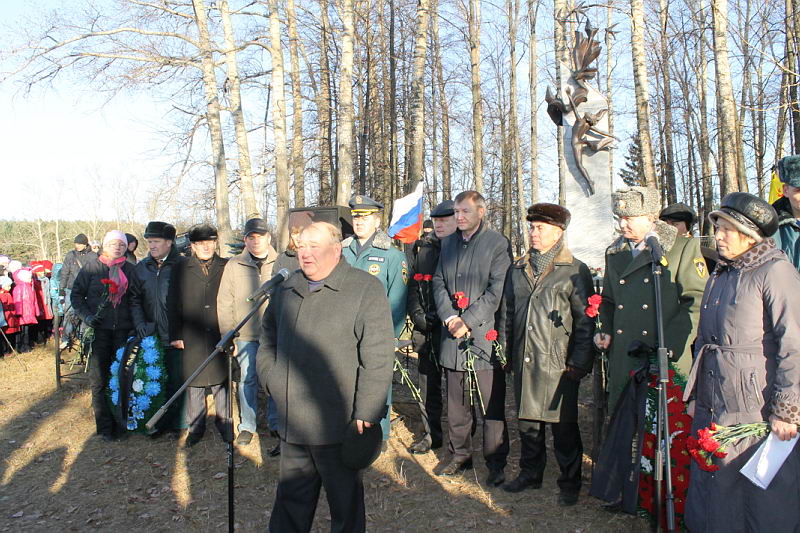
[628, 311]
[243, 275]
[325, 356]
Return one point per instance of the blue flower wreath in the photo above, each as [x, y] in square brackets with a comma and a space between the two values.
[148, 383]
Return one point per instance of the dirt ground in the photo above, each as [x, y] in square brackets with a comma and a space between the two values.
[56, 476]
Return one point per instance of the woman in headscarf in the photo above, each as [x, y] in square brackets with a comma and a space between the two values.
[746, 369]
[101, 296]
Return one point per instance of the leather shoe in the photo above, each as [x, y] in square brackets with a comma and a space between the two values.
[496, 477]
[521, 483]
[567, 499]
[276, 451]
[193, 438]
[244, 438]
[454, 467]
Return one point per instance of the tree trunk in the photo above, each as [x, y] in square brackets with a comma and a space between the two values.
[444, 109]
[512, 12]
[214, 126]
[393, 164]
[237, 114]
[279, 125]
[669, 153]
[533, 58]
[325, 113]
[702, 111]
[727, 106]
[477, 106]
[609, 93]
[641, 90]
[346, 113]
[418, 97]
[560, 43]
[298, 161]
[792, 35]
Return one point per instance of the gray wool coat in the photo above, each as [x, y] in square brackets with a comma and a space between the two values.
[326, 357]
[747, 367]
[478, 269]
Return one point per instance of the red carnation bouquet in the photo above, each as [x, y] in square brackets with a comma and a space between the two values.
[712, 441]
[462, 302]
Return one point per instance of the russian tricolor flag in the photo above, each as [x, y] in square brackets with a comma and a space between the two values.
[407, 217]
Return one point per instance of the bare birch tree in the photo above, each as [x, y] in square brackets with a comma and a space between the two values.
[641, 89]
[346, 112]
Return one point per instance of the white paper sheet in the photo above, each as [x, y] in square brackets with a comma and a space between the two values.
[768, 459]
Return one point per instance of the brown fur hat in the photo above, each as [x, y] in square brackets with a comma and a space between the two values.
[549, 213]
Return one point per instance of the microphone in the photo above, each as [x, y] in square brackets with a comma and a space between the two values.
[276, 280]
[655, 248]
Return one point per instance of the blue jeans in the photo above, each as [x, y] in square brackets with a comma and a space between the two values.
[386, 421]
[248, 390]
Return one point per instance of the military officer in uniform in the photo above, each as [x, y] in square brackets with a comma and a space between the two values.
[628, 313]
[683, 218]
[427, 334]
[371, 250]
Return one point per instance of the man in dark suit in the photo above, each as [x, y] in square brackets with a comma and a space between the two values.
[325, 370]
[467, 288]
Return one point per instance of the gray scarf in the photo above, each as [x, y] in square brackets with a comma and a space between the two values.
[541, 261]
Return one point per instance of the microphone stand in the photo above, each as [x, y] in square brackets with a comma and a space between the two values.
[662, 467]
[224, 346]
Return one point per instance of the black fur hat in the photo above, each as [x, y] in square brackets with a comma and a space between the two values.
[202, 232]
[750, 214]
[553, 214]
[159, 230]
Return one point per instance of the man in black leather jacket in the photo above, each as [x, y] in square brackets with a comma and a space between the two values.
[149, 309]
[426, 335]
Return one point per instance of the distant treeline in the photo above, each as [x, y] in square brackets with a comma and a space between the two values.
[51, 239]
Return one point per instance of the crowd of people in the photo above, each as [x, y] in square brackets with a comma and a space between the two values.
[323, 347]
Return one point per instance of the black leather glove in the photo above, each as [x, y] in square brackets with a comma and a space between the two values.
[432, 320]
[92, 321]
[574, 373]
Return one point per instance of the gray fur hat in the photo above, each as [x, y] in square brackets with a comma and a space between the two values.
[636, 201]
[789, 170]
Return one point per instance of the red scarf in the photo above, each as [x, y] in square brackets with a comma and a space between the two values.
[116, 274]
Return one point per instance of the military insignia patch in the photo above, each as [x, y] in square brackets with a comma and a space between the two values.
[358, 199]
[376, 259]
[700, 267]
[374, 269]
[405, 273]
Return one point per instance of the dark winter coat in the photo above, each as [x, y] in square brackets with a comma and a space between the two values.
[545, 328]
[287, 260]
[421, 306]
[193, 318]
[72, 264]
[326, 357]
[787, 238]
[477, 268]
[747, 367]
[88, 294]
[151, 307]
[628, 310]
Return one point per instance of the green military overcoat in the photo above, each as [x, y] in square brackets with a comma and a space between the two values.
[628, 309]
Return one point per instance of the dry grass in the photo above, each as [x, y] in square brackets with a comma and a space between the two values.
[56, 476]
